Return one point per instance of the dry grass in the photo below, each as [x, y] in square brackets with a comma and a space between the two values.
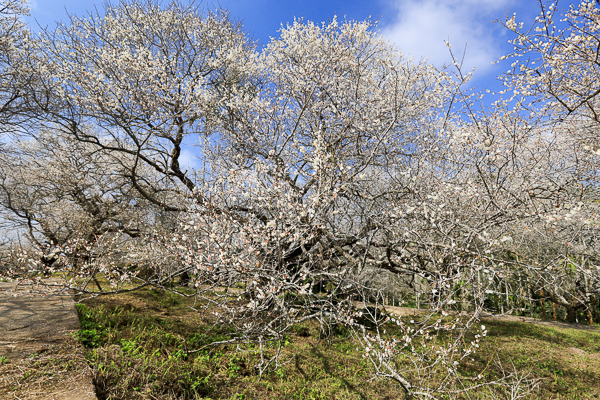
[52, 369]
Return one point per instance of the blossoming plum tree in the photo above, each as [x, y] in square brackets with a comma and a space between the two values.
[345, 160]
[62, 193]
[553, 77]
[148, 78]
[14, 43]
[327, 158]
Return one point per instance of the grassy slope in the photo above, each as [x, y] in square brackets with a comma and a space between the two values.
[136, 346]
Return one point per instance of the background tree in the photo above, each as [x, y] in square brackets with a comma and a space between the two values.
[553, 78]
[14, 45]
[59, 192]
[147, 78]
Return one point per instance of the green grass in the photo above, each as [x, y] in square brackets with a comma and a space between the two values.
[567, 360]
[136, 344]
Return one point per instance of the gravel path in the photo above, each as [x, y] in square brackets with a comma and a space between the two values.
[39, 359]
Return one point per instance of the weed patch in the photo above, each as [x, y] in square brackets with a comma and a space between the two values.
[139, 346]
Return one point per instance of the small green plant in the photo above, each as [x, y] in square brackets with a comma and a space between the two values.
[91, 334]
[90, 338]
[130, 347]
[234, 366]
[280, 373]
[3, 360]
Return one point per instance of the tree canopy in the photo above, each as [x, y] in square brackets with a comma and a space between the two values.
[334, 173]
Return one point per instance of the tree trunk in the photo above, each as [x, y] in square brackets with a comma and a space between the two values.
[571, 314]
[543, 303]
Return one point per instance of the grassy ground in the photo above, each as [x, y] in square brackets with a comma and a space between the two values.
[136, 346]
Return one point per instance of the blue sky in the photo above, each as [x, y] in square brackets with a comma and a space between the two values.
[417, 27]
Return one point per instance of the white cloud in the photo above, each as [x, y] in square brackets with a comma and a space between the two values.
[188, 160]
[421, 27]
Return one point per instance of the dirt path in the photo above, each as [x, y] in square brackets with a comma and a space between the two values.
[404, 311]
[39, 359]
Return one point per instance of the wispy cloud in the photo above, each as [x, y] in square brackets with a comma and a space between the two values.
[188, 159]
[421, 27]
